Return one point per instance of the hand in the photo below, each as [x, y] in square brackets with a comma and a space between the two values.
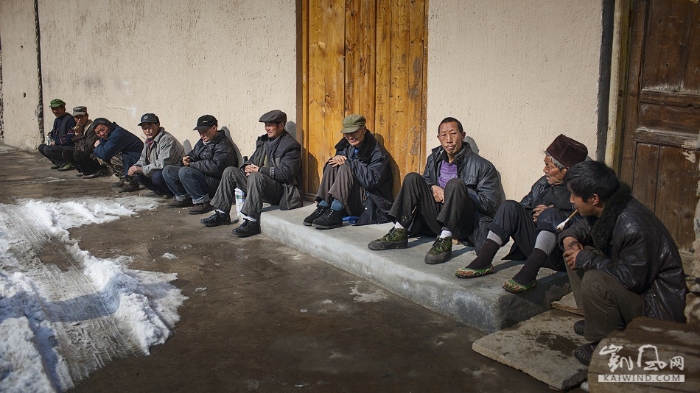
[438, 194]
[251, 168]
[539, 209]
[571, 249]
[134, 170]
[337, 160]
[97, 143]
[186, 160]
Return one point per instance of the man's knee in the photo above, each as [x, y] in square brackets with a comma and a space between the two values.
[550, 218]
[413, 178]
[594, 284]
[256, 179]
[456, 185]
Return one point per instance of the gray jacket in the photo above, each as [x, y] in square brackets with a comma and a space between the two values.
[166, 150]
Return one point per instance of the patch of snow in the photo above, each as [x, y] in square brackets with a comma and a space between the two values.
[168, 255]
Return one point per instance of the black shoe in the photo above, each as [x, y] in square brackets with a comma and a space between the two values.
[216, 219]
[579, 327]
[117, 184]
[584, 353]
[55, 166]
[329, 220]
[316, 214]
[248, 228]
[129, 187]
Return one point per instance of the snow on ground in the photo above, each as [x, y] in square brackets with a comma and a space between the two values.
[65, 312]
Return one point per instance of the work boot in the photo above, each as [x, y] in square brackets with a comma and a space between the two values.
[129, 187]
[187, 202]
[66, 167]
[248, 228]
[395, 239]
[329, 220]
[201, 208]
[216, 219]
[308, 221]
[118, 184]
[440, 252]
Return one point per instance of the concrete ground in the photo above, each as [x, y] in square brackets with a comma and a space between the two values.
[262, 316]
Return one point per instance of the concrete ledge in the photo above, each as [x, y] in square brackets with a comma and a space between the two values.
[480, 303]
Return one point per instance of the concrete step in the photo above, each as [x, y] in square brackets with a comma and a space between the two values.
[480, 302]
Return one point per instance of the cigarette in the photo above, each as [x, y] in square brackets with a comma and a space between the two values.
[560, 227]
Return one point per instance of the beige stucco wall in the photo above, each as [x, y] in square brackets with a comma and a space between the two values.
[20, 87]
[517, 74]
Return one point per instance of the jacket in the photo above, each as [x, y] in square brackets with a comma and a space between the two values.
[372, 171]
[166, 150]
[280, 159]
[543, 193]
[63, 130]
[631, 244]
[85, 141]
[211, 159]
[119, 141]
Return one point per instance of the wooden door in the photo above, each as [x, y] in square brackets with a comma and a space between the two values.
[662, 112]
[367, 57]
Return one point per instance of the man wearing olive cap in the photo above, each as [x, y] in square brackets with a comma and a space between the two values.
[60, 136]
[357, 180]
[270, 175]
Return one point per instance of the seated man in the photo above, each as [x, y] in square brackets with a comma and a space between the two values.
[83, 145]
[160, 149]
[357, 179]
[270, 175]
[622, 260]
[119, 150]
[532, 222]
[198, 178]
[60, 136]
[457, 188]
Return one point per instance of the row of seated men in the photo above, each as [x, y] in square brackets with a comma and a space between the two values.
[578, 217]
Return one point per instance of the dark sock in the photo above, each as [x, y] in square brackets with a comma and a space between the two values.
[486, 254]
[532, 266]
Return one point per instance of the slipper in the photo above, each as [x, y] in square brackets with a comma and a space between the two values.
[584, 353]
[513, 287]
[466, 272]
[579, 327]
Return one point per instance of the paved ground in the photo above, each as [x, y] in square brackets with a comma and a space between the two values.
[270, 319]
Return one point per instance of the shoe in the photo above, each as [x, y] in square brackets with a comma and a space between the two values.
[331, 219]
[201, 208]
[129, 187]
[54, 166]
[248, 228]
[440, 252]
[216, 219]
[118, 184]
[66, 167]
[512, 286]
[584, 353]
[397, 238]
[579, 327]
[316, 214]
[92, 175]
[467, 272]
[79, 174]
[187, 202]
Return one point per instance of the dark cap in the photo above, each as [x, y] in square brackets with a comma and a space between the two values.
[276, 116]
[206, 122]
[149, 118]
[567, 151]
[80, 111]
[352, 123]
[56, 102]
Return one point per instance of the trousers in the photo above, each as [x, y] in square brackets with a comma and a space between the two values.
[258, 188]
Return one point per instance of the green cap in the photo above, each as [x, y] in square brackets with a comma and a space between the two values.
[56, 102]
[352, 123]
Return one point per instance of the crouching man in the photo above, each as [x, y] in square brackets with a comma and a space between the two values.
[119, 150]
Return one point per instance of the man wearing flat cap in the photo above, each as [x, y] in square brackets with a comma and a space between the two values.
[532, 222]
[356, 181]
[197, 178]
[119, 150]
[60, 136]
[270, 175]
[159, 150]
[79, 156]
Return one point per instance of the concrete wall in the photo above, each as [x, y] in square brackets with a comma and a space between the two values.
[20, 89]
[517, 74]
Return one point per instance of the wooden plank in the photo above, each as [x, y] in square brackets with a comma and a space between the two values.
[383, 73]
[334, 78]
[671, 98]
[691, 71]
[675, 199]
[304, 121]
[352, 55]
[415, 74]
[669, 118]
[666, 138]
[397, 135]
[367, 61]
[645, 174]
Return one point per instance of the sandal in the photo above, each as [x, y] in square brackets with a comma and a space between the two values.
[584, 353]
[513, 287]
[467, 272]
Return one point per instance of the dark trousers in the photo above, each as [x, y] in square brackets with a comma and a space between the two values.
[81, 160]
[339, 183]
[155, 182]
[512, 220]
[54, 153]
[416, 209]
[258, 188]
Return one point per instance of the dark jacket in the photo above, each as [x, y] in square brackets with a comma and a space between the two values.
[85, 141]
[372, 171]
[119, 141]
[211, 159]
[280, 159]
[631, 244]
[62, 132]
[543, 193]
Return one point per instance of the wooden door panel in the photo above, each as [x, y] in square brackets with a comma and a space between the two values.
[675, 198]
[645, 174]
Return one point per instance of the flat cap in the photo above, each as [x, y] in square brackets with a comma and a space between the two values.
[276, 116]
[149, 118]
[567, 151]
[56, 102]
[80, 111]
[352, 123]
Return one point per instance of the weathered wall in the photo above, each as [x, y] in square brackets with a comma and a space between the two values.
[517, 74]
[177, 58]
[20, 89]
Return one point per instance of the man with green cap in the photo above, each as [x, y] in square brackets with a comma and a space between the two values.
[60, 136]
[356, 181]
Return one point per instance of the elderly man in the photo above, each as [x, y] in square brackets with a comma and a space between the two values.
[119, 150]
[270, 175]
[357, 180]
[532, 222]
[622, 261]
[197, 179]
[160, 149]
[457, 189]
[84, 143]
[60, 136]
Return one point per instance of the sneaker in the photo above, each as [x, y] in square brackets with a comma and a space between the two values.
[201, 208]
[216, 219]
[66, 167]
[248, 228]
[440, 252]
[329, 220]
[187, 202]
[129, 187]
[395, 239]
[54, 166]
[316, 214]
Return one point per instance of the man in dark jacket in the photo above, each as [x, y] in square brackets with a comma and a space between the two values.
[532, 222]
[622, 260]
[60, 136]
[118, 149]
[357, 180]
[83, 145]
[270, 175]
[195, 182]
[457, 188]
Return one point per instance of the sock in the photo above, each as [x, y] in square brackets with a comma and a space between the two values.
[221, 212]
[546, 241]
[323, 203]
[250, 219]
[486, 254]
[398, 225]
[336, 205]
[532, 266]
[445, 233]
